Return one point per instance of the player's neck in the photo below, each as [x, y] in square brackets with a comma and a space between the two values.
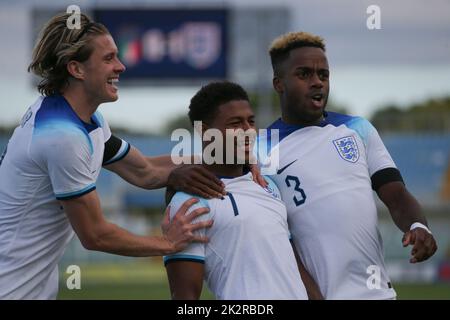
[293, 119]
[300, 122]
[83, 107]
[226, 170]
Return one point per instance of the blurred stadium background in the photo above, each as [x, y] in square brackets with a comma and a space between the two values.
[170, 48]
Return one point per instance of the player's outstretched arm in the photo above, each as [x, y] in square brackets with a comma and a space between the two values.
[141, 171]
[158, 172]
[96, 233]
[312, 289]
[185, 279]
[408, 216]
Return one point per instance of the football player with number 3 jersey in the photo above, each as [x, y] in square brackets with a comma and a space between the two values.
[329, 164]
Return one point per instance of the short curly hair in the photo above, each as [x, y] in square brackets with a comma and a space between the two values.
[205, 102]
[281, 47]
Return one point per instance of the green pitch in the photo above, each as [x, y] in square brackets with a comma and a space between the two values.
[148, 280]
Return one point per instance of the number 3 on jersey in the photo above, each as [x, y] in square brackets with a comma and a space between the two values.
[302, 196]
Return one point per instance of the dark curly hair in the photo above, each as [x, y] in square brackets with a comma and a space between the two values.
[205, 102]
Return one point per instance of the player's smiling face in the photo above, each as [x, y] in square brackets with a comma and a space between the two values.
[236, 117]
[303, 85]
[102, 70]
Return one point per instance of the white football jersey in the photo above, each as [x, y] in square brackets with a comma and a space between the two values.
[249, 255]
[53, 155]
[324, 176]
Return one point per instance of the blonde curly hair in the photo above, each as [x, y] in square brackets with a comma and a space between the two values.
[281, 46]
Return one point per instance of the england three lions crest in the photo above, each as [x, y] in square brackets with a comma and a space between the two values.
[347, 148]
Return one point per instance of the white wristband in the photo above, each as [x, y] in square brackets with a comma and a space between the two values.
[419, 225]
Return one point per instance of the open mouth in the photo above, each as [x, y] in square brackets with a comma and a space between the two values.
[112, 82]
[245, 144]
[243, 141]
[318, 100]
[317, 97]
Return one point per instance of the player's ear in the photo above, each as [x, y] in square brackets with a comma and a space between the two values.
[75, 69]
[277, 84]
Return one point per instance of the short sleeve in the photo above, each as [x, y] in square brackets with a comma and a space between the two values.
[101, 122]
[67, 158]
[195, 251]
[378, 157]
[115, 148]
[382, 168]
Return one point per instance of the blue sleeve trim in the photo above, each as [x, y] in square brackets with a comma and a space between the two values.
[76, 194]
[183, 257]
